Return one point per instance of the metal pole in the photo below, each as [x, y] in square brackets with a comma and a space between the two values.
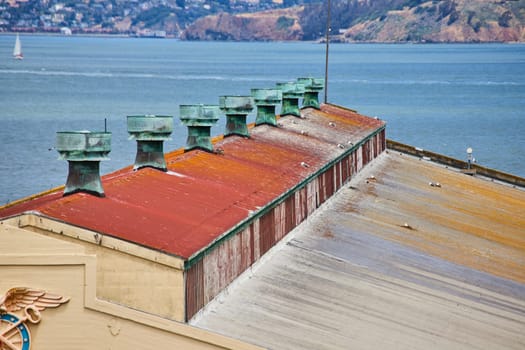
[326, 58]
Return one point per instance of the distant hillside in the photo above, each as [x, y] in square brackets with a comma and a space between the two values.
[445, 21]
[374, 21]
[351, 20]
[133, 17]
[262, 26]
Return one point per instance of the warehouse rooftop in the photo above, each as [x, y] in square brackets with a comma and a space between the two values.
[236, 239]
[203, 194]
[409, 254]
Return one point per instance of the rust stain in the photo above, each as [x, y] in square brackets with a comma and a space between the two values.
[328, 234]
[469, 221]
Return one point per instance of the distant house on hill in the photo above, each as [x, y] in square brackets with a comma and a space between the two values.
[65, 31]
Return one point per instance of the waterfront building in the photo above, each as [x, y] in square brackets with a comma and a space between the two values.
[235, 242]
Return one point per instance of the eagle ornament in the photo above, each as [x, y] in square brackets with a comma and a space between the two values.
[14, 333]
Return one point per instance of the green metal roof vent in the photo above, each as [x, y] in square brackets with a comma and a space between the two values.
[236, 109]
[266, 100]
[292, 92]
[83, 150]
[312, 88]
[150, 131]
[199, 119]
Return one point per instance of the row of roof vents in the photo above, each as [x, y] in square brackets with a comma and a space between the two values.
[84, 149]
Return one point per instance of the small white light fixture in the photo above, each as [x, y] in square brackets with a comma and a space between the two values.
[469, 157]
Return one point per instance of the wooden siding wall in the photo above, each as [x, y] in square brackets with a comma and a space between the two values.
[211, 274]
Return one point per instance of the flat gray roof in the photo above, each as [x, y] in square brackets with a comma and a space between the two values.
[410, 254]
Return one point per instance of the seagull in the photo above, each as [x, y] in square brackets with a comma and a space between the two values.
[305, 165]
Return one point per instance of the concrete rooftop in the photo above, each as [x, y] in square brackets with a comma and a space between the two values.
[391, 262]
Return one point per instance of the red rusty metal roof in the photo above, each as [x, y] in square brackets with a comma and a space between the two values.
[203, 195]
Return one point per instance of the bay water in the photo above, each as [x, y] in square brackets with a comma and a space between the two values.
[440, 97]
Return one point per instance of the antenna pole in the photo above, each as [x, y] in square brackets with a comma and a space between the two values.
[326, 58]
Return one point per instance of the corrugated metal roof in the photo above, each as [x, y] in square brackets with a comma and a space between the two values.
[203, 195]
[409, 255]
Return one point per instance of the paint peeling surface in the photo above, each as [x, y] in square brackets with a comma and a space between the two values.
[204, 195]
[408, 255]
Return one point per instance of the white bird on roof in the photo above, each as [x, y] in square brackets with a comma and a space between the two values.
[305, 165]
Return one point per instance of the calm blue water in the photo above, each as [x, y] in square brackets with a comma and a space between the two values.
[443, 98]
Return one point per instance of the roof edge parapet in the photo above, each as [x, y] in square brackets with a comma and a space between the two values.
[456, 163]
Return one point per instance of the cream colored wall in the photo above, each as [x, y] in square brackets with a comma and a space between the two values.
[15, 241]
[139, 283]
[86, 322]
[122, 276]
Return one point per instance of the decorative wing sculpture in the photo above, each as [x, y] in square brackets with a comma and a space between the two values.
[21, 297]
[14, 333]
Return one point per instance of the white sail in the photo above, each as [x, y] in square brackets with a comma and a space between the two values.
[17, 51]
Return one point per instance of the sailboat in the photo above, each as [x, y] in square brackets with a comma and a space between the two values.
[17, 51]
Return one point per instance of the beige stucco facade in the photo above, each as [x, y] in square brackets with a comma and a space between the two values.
[127, 274]
[119, 297]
